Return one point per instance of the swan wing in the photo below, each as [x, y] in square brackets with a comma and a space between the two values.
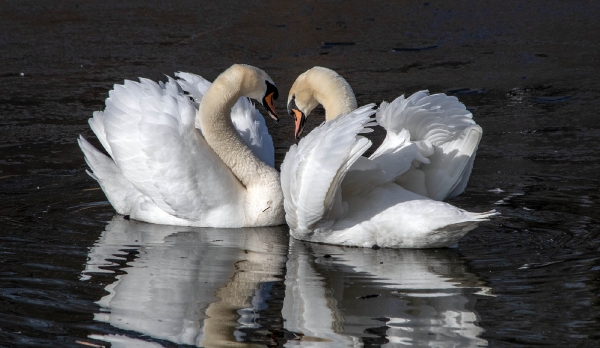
[149, 128]
[251, 126]
[119, 191]
[396, 154]
[246, 119]
[442, 130]
[313, 170]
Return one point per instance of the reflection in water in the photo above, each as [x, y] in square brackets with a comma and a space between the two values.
[185, 285]
[343, 297]
[204, 287]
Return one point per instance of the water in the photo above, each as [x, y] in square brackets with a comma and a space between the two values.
[72, 274]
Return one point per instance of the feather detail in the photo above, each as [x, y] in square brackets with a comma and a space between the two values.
[160, 167]
[313, 171]
[443, 131]
[333, 195]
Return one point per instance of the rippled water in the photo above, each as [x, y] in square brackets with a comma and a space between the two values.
[72, 274]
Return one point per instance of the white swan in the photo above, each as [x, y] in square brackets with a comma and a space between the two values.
[334, 195]
[163, 170]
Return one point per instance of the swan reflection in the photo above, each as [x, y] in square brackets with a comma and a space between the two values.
[205, 287]
[342, 297]
[185, 285]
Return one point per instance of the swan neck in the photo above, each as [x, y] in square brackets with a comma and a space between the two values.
[340, 105]
[220, 134]
[333, 92]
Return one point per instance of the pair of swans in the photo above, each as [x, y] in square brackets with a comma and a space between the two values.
[187, 152]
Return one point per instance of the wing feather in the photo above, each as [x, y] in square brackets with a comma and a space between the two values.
[150, 129]
[97, 125]
[313, 171]
[251, 126]
[443, 131]
[118, 189]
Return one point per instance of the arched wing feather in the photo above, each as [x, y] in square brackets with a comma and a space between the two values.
[313, 171]
[442, 130]
[251, 126]
[150, 129]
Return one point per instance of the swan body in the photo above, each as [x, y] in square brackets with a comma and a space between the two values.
[392, 199]
[188, 152]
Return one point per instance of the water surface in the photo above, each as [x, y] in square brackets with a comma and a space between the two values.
[74, 274]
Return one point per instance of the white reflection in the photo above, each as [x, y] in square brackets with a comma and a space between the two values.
[202, 287]
[344, 297]
[195, 286]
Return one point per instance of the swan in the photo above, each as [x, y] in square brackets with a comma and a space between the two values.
[334, 195]
[189, 153]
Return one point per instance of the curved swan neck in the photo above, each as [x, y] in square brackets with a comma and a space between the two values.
[332, 91]
[219, 132]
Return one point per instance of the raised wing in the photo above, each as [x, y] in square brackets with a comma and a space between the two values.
[313, 170]
[150, 134]
[396, 154]
[247, 120]
[442, 130]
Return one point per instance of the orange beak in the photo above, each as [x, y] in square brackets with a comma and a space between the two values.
[268, 104]
[300, 120]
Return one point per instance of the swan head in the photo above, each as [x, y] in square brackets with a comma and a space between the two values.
[257, 85]
[301, 102]
[316, 86]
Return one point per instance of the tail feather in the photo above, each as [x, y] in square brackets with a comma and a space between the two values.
[118, 190]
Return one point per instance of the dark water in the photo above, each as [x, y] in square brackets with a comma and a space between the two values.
[74, 275]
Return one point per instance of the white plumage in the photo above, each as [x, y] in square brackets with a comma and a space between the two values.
[161, 169]
[334, 195]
